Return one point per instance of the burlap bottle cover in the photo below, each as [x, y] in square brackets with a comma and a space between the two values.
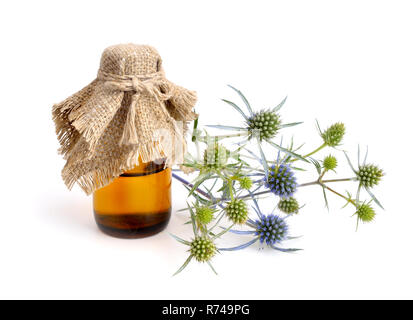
[129, 111]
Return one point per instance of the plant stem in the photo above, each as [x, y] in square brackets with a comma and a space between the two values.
[340, 195]
[312, 152]
[213, 138]
[248, 195]
[309, 184]
[219, 201]
[322, 175]
[190, 185]
[231, 192]
[324, 181]
[337, 180]
[316, 150]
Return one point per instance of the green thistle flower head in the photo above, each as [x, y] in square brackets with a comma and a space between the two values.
[369, 175]
[333, 135]
[204, 214]
[289, 205]
[215, 156]
[330, 162]
[237, 211]
[265, 122]
[365, 212]
[245, 183]
[202, 249]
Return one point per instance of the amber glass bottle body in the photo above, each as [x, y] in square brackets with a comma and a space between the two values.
[137, 204]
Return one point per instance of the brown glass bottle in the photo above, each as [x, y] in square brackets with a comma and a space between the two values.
[137, 204]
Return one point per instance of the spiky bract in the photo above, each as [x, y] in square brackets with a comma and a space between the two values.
[369, 175]
[289, 205]
[365, 212]
[334, 134]
[330, 162]
[215, 156]
[265, 122]
[281, 180]
[237, 211]
[204, 214]
[271, 229]
[245, 183]
[202, 249]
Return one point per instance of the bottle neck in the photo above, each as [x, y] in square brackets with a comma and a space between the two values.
[146, 168]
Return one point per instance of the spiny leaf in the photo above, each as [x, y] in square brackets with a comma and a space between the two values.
[316, 164]
[192, 219]
[279, 106]
[358, 193]
[349, 162]
[183, 266]
[242, 246]
[247, 104]
[212, 268]
[227, 127]
[264, 161]
[293, 238]
[374, 198]
[180, 240]
[201, 178]
[286, 250]
[224, 231]
[325, 198]
[232, 104]
[241, 232]
[365, 158]
[318, 127]
[286, 125]
[291, 153]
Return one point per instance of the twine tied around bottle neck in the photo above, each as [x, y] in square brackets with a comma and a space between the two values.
[152, 84]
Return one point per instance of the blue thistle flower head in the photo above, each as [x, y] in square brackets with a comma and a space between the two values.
[281, 180]
[271, 229]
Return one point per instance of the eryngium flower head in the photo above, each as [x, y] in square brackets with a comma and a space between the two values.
[271, 229]
[333, 135]
[281, 180]
[204, 214]
[330, 162]
[237, 211]
[369, 175]
[265, 122]
[245, 183]
[202, 248]
[215, 156]
[365, 212]
[289, 205]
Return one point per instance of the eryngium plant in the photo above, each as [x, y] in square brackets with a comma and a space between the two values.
[232, 179]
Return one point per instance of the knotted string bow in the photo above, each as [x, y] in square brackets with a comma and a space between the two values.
[155, 85]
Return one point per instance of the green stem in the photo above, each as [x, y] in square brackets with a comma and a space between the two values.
[324, 181]
[194, 130]
[312, 152]
[309, 184]
[231, 192]
[255, 194]
[340, 195]
[313, 183]
[338, 180]
[316, 150]
[205, 139]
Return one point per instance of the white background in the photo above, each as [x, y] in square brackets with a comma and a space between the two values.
[347, 61]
